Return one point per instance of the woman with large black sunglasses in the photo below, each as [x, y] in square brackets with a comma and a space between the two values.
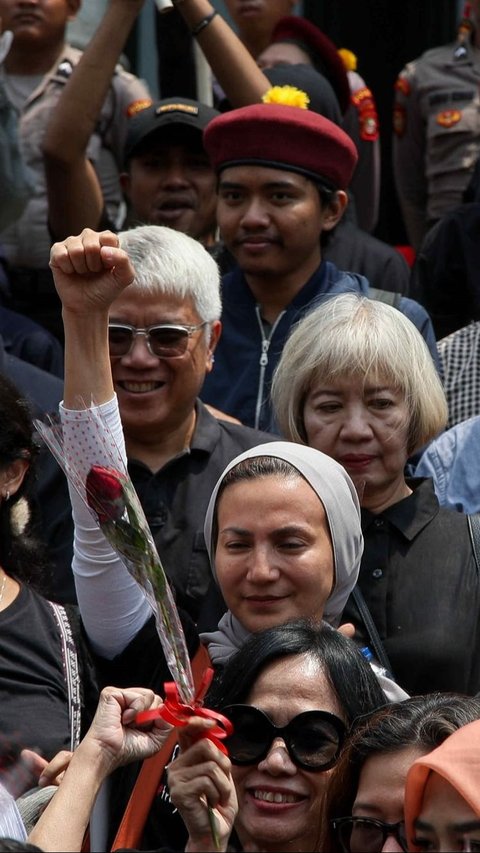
[363, 810]
[291, 693]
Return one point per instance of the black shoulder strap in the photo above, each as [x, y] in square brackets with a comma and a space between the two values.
[473, 522]
[373, 635]
[387, 296]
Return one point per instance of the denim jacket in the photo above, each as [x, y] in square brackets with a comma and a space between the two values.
[453, 463]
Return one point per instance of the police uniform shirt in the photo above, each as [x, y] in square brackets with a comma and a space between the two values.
[436, 133]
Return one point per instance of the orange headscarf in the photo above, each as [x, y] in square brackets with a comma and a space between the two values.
[457, 760]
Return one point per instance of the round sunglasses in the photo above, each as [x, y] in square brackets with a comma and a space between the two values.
[313, 739]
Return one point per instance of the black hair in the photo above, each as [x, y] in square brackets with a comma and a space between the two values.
[11, 845]
[327, 195]
[21, 556]
[258, 466]
[423, 721]
[345, 668]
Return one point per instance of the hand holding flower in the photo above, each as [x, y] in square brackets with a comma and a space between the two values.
[198, 778]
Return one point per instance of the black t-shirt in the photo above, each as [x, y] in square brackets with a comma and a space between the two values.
[34, 709]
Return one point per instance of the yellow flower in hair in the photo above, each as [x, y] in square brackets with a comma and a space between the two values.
[348, 58]
[288, 95]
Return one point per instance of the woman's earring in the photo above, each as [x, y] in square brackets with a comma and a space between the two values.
[6, 496]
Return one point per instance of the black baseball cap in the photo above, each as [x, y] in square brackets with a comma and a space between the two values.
[169, 112]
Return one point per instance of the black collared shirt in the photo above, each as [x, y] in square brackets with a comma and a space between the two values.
[420, 582]
[175, 500]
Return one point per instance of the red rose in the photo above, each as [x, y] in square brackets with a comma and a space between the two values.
[105, 493]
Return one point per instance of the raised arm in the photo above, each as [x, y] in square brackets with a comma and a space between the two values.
[75, 198]
[89, 272]
[234, 67]
[112, 740]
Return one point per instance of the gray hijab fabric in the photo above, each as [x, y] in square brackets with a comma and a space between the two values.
[335, 490]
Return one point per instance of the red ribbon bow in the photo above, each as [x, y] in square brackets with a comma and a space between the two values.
[174, 711]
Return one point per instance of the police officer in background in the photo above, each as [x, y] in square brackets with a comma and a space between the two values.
[437, 127]
[34, 74]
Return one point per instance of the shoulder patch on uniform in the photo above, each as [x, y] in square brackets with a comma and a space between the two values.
[369, 129]
[137, 106]
[402, 85]
[399, 120]
[448, 118]
[362, 95]
[367, 114]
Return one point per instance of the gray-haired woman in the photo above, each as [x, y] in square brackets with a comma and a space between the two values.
[356, 381]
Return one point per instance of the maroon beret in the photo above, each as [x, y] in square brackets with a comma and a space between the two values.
[322, 51]
[282, 137]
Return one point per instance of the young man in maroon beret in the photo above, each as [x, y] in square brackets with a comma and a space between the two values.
[283, 174]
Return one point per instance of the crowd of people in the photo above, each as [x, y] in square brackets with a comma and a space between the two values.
[194, 309]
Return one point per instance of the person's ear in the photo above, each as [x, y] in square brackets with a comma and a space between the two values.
[73, 7]
[333, 212]
[215, 332]
[12, 476]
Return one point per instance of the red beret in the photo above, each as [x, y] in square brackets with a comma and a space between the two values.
[282, 137]
[322, 51]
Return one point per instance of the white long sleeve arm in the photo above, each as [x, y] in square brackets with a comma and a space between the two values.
[112, 605]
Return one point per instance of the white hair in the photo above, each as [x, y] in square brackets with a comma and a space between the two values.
[170, 262]
[350, 335]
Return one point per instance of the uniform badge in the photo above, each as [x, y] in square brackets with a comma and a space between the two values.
[177, 108]
[369, 129]
[448, 118]
[399, 120]
[367, 114]
[402, 85]
[137, 106]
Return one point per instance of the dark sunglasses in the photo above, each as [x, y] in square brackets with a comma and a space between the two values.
[313, 739]
[164, 341]
[366, 835]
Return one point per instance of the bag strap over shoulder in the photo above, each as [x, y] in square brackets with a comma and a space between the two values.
[71, 672]
[373, 635]
[130, 831]
[473, 522]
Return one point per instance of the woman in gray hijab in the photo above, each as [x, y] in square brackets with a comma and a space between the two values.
[284, 538]
[313, 560]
